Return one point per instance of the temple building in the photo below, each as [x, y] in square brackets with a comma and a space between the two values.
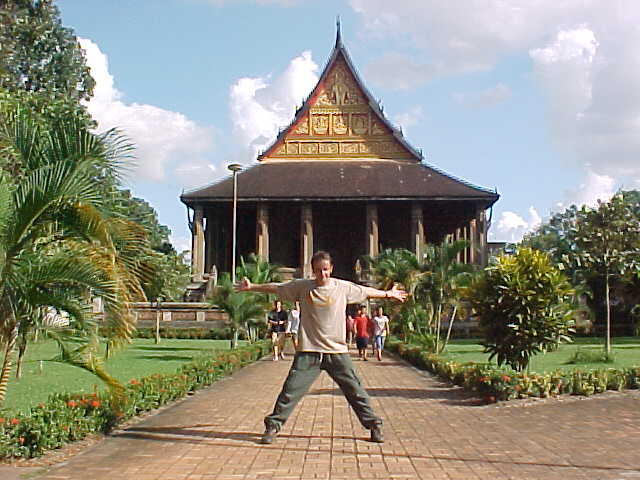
[339, 178]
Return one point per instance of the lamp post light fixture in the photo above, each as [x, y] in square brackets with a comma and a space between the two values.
[235, 168]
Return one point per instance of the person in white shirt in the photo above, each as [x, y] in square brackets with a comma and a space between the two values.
[322, 341]
[293, 323]
[380, 331]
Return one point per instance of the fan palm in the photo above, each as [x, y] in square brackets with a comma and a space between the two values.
[440, 283]
[56, 242]
[243, 309]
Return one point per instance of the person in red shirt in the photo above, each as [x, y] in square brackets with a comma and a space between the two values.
[362, 326]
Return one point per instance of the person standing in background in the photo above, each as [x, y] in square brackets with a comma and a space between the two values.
[278, 324]
[380, 331]
[293, 324]
[362, 326]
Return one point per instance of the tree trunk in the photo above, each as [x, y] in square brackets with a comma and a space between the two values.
[21, 351]
[608, 303]
[438, 323]
[7, 363]
[453, 317]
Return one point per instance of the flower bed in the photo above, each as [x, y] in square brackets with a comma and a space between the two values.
[67, 417]
[496, 384]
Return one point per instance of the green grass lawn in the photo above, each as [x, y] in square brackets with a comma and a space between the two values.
[42, 376]
[626, 352]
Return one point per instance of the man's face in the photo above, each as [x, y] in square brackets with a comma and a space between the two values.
[322, 270]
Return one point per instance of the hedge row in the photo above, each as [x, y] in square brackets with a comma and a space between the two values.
[67, 417]
[494, 384]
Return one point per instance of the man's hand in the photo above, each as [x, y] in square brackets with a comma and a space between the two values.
[244, 285]
[397, 294]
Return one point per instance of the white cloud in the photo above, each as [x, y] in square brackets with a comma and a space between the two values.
[164, 139]
[511, 227]
[584, 53]
[470, 36]
[260, 107]
[486, 98]
[409, 119]
[595, 187]
[400, 72]
[284, 3]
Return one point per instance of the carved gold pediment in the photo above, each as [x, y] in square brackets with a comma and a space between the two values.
[338, 123]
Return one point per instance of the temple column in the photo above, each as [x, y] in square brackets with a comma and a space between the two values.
[197, 245]
[417, 229]
[306, 239]
[481, 220]
[473, 242]
[262, 231]
[465, 237]
[458, 237]
[373, 236]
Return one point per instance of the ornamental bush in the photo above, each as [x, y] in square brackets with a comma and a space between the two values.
[499, 384]
[524, 306]
[68, 417]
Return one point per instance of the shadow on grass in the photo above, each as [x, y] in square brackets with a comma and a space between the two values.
[164, 358]
[168, 349]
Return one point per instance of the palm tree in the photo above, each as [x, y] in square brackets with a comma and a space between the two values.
[245, 310]
[440, 283]
[258, 271]
[57, 243]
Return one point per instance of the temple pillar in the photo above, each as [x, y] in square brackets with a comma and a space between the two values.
[458, 237]
[306, 239]
[417, 229]
[262, 231]
[473, 242]
[197, 245]
[465, 237]
[481, 220]
[373, 236]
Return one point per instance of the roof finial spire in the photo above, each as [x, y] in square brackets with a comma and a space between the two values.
[338, 32]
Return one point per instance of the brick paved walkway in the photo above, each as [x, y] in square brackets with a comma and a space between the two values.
[432, 430]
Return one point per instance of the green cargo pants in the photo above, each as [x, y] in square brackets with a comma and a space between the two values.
[305, 369]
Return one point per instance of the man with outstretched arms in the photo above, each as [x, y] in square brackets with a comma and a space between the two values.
[321, 341]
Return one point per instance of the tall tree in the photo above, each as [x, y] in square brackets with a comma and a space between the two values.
[607, 246]
[39, 54]
[56, 242]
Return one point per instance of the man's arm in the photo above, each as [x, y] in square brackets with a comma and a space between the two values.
[246, 286]
[395, 293]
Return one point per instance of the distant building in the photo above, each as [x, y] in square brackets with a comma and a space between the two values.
[339, 178]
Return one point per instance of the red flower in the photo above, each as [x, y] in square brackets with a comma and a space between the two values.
[65, 428]
[15, 421]
[518, 388]
[21, 440]
[1, 420]
[483, 379]
[506, 378]
[95, 403]
[134, 382]
[72, 404]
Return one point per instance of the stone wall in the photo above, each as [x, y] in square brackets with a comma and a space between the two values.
[179, 315]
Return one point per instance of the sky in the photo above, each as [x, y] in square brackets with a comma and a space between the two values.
[536, 99]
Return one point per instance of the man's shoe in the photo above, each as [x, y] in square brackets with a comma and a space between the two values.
[376, 434]
[269, 436]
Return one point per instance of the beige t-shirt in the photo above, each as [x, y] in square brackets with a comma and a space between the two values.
[322, 312]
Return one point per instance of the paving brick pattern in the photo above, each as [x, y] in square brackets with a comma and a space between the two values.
[432, 431]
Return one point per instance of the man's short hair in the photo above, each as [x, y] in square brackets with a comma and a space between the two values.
[321, 255]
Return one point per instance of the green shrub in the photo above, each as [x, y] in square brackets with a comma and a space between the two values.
[524, 305]
[500, 384]
[582, 355]
[68, 417]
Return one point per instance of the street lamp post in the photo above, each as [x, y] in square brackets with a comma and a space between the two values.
[235, 168]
